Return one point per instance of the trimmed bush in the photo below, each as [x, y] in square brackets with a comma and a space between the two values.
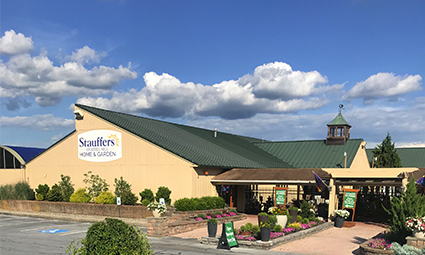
[39, 197]
[255, 230]
[128, 198]
[146, 194]
[80, 196]
[163, 192]
[112, 236]
[277, 228]
[203, 203]
[145, 202]
[54, 194]
[105, 197]
[42, 189]
[23, 191]
[305, 221]
[201, 215]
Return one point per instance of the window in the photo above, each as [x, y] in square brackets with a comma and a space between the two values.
[340, 132]
[331, 131]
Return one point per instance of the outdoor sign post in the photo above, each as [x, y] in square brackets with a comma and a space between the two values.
[280, 196]
[349, 201]
[227, 239]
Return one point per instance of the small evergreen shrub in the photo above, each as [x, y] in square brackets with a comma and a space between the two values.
[146, 194]
[54, 194]
[299, 218]
[306, 210]
[105, 197]
[128, 198]
[163, 192]
[80, 196]
[255, 230]
[272, 221]
[249, 226]
[201, 215]
[66, 187]
[277, 228]
[121, 187]
[23, 191]
[145, 202]
[305, 221]
[112, 236]
[39, 197]
[42, 189]
[232, 210]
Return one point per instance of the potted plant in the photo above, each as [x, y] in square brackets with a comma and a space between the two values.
[293, 211]
[417, 226]
[212, 227]
[157, 209]
[265, 231]
[262, 217]
[281, 215]
[340, 216]
[246, 230]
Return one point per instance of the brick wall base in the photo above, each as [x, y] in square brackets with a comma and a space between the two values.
[416, 242]
[122, 211]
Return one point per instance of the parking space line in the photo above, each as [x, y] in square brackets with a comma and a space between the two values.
[53, 226]
[20, 223]
[72, 233]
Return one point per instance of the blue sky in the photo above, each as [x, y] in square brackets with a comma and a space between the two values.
[275, 70]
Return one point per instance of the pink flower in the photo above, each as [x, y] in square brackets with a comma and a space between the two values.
[218, 216]
[208, 217]
[199, 218]
[225, 215]
[232, 214]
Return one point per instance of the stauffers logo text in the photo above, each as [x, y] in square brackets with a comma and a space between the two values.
[100, 146]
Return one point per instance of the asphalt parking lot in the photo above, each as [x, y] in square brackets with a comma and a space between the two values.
[31, 235]
[27, 235]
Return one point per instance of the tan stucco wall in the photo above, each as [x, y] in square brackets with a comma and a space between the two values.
[360, 161]
[11, 176]
[143, 165]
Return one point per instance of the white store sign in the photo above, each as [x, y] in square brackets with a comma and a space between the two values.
[100, 146]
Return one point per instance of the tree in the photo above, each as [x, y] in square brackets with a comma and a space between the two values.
[96, 185]
[386, 154]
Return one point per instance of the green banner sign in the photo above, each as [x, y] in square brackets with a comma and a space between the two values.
[280, 196]
[230, 235]
[350, 199]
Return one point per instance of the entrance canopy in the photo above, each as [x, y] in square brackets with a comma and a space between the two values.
[270, 176]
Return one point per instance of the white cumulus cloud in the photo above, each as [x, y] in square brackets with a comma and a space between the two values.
[44, 122]
[166, 96]
[384, 85]
[13, 44]
[24, 75]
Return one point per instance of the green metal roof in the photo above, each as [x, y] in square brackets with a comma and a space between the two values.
[410, 157]
[313, 153]
[339, 120]
[196, 145]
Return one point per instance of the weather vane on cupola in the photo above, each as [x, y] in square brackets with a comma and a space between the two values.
[341, 107]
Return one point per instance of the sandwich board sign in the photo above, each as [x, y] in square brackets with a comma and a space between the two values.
[349, 201]
[280, 196]
[227, 239]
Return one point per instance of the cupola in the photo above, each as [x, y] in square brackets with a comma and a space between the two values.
[338, 130]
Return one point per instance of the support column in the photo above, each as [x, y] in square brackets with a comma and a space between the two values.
[332, 198]
[298, 192]
[240, 201]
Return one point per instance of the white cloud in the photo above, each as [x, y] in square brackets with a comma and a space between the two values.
[13, 44]
[25, 75]
[384, 85]
[166, 96]
[86, 55]
[44, 122]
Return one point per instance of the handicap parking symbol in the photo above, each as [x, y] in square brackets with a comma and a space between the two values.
[53, 231]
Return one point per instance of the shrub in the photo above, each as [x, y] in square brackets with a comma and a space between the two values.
[66, 187]
[193, 204]
[146, 194]
[121, 187]
[277, 228]
[145, 202]
[54, 194]
[299, 218]
[128, 198]
[305, 221]
[96, 185]
[39, 197]
[272, 220]
[255, 230]
[405, 249]
[105, 197]
[306, 210]
[112, 236]
[7, 192]
[232, 210]
[80, 196]
[201, 215]
[249, 226]
[163, 192]
[212, 221]
[23, 191]
[42, 189]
